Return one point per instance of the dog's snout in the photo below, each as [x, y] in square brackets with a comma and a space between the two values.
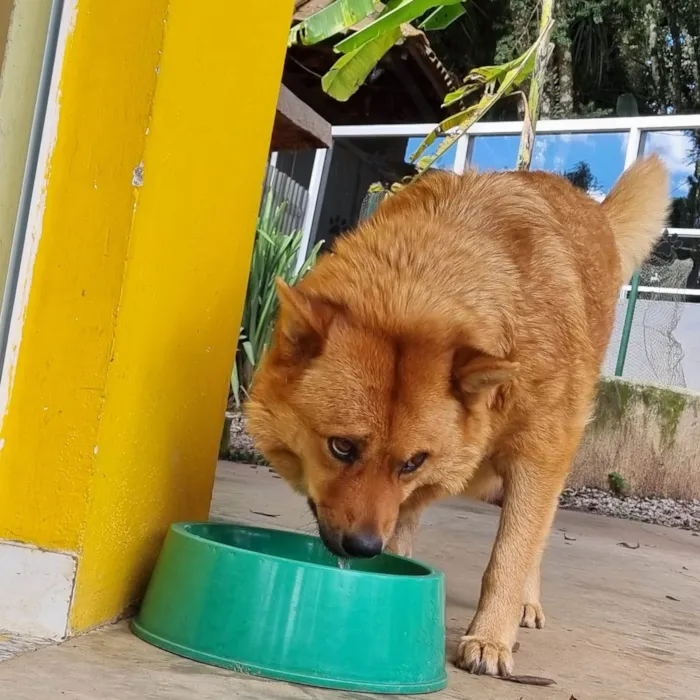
[362, 544]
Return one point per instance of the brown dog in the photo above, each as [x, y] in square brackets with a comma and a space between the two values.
[451, 345]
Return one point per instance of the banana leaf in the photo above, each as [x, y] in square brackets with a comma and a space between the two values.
[350, 71]
[390, 19]
[442, 17]
[331, 20]
[518, 71]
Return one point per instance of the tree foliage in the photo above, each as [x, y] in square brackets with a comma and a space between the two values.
[375, 30]
[582, 176]
[646, 52]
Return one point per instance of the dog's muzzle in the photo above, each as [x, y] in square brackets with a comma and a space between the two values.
[361, 545]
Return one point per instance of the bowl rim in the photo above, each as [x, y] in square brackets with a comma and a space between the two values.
[180, 528]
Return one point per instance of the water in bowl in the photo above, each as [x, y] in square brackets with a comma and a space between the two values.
[298, 547]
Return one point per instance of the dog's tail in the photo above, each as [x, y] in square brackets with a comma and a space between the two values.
[637, 209]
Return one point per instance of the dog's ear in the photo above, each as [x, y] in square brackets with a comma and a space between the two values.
[302, 323]
[474, 371]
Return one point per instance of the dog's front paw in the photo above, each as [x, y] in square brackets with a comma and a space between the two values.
[481, 655]
[532, 616]
[401, 546]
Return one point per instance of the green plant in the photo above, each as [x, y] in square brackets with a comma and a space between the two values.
[496, 82]
[378, 26]
[376, 31]
[275, 255]
[618, 484]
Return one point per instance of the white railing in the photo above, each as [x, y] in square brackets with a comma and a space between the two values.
[306, 207]
[633, 132]
[544, 126]
[635, 128]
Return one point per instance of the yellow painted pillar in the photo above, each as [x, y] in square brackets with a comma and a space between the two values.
[131, 291]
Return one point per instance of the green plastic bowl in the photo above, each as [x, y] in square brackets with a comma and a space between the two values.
[276, 604]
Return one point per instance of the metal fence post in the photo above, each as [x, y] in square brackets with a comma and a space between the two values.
[627, 327]
[634, 147]
[317, 189]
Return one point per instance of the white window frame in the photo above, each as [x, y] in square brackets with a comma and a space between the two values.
[634, 127]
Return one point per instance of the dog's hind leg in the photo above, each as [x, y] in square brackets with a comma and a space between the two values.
[533, 614]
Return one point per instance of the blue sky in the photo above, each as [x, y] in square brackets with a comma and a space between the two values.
[605, 153]
[673, 147]
[444, 162]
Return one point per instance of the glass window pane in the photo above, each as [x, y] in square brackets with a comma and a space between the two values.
[357, 163]
[674, 264]
[678, 256]
[494, 152]
[591, 161]
[680, 151]
[445, 162]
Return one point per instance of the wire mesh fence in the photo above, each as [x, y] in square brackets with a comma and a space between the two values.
[654, 353]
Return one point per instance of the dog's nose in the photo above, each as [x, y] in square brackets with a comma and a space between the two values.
[362, 544]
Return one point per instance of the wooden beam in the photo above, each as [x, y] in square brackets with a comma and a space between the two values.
[297, 126]
[398, 67]
[305, 8]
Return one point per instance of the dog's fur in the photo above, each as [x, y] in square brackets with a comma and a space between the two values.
[467, 319]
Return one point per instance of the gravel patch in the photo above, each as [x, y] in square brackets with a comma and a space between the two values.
[241, 447]
[646, 509]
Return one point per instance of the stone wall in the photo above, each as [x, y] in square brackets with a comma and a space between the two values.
[649, 435]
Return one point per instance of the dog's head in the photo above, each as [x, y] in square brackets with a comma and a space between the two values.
[360, 420]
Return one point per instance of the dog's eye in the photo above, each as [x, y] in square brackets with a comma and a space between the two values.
[343, 449]
[414, 463]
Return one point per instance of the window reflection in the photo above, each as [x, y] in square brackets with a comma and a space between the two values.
[680, 151]
[675, 264]
[678, 256]
[592, 162]
[445, 162]
[494, 152]
[356, 164]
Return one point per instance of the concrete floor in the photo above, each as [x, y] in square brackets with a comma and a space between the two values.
[612, 632]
